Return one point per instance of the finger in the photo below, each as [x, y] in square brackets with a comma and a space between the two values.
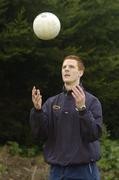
[76, 92]
[80, 89]
[38, 96]
[33, 90]
[38, 92]
[39, 99]
[74, 96]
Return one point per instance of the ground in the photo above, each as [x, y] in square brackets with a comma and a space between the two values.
[22, 168]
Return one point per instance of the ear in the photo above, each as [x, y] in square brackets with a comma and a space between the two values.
[81, 73]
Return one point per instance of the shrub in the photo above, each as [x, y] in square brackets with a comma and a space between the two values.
[109, 163]
[14, 148]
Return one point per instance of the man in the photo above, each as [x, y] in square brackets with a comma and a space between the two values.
[71, 124]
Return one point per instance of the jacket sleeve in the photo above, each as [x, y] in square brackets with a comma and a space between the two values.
[91, 122]
[39, 124]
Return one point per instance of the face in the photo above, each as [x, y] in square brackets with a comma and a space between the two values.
[70, 72]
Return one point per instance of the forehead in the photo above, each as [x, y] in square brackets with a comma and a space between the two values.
[70, 62]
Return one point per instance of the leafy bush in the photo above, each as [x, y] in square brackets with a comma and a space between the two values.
[3, 168]
[31, 151]
[109, 163]
[14, 148]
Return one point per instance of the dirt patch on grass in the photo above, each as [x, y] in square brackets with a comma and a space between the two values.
[22, 168]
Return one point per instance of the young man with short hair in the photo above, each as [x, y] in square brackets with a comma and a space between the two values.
[71, 124]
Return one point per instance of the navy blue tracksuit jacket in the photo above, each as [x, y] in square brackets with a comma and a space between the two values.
[71, 137]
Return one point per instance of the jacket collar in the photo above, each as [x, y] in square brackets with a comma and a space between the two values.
[70, 91]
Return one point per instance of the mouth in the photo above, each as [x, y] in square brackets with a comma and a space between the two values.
[66, 75]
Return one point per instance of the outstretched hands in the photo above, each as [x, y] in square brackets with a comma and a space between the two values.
[36, 98]
[77, 93]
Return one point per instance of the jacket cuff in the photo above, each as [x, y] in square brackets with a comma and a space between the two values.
[81, 113]
[37, 110]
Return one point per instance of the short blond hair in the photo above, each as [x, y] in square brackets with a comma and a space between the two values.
[78, 59]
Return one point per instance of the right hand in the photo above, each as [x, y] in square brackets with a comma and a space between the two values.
[36, 98]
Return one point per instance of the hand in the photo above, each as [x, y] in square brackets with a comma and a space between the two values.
[36, 98]
[79, 96]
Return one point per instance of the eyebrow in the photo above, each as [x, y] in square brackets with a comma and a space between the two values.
[70, 65]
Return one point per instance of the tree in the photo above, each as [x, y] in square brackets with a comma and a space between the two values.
[91, 30]
[88, 28]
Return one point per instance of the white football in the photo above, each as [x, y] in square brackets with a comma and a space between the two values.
[46, 26]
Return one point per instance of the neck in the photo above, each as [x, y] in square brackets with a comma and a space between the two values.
[69, 86]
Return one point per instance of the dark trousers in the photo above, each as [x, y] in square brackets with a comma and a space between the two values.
[76, 172]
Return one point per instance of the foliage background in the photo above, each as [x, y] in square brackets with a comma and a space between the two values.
[89, 29]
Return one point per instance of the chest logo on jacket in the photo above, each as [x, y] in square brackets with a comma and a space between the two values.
[56, 107]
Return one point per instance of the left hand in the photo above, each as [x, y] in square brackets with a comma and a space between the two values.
[79, 96]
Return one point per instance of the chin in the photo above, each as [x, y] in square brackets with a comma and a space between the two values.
[67, 81]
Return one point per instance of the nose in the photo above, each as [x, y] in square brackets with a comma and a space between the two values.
[67, 68]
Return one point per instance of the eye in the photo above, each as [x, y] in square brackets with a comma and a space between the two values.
[63, 67]
[71, 66]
